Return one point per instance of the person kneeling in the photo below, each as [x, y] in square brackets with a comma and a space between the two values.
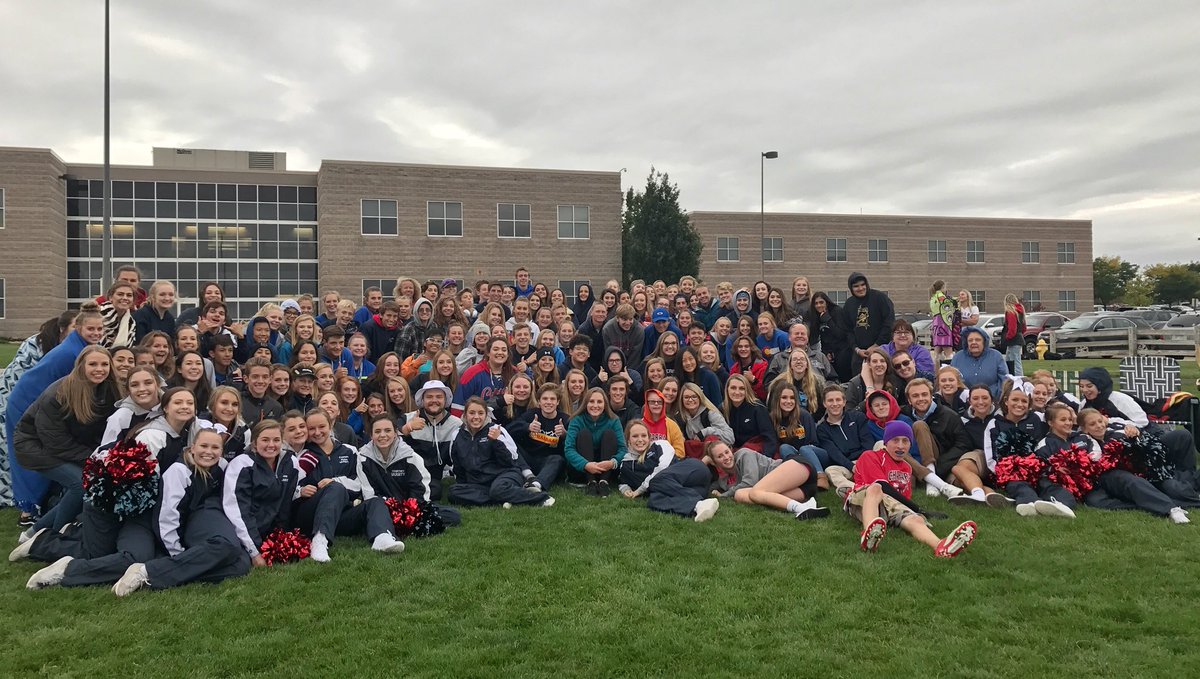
[883, 483]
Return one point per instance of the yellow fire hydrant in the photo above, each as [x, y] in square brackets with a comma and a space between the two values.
[1042, 348]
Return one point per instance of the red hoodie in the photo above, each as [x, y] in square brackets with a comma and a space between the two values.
[664, 428]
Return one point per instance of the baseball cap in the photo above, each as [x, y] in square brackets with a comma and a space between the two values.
[660, 314]
[299, 373]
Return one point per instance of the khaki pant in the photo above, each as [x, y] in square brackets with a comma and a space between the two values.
[892, 510]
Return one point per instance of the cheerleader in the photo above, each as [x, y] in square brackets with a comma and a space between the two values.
[200, 542]
[672, 486]
[166, 436]
[259, 487]
[754, 479]
[1119, 488]
[486, 472]
[225, 410]
[1014, 432]
[333, 499]
[141, 403]
[392, 469]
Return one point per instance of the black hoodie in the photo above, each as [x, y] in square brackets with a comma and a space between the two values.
[868, 319]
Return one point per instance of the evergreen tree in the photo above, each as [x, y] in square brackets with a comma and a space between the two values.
[657, 240]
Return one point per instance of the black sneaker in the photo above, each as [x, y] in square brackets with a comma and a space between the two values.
[593, 488]
[814, 513]
[602, 489]
[26, 520]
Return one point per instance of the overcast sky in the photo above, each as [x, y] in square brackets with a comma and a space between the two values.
[1045, 109]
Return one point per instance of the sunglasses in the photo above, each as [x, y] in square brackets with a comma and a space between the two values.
[902, 364]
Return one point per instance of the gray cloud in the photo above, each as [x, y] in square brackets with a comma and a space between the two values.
[1069, 109]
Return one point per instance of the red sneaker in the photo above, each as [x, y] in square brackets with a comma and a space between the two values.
[956, 541]
[872, 535]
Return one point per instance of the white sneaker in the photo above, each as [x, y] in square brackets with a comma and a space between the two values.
[506, 505]
[950, 490]
[1177, 515]
[931, 491]
[705, 509]
[384, 542]
[24, 545]
[548, 503]
[1053, 508]
[50, 575]
[319, 551]
[1027, 509]
[134, 579]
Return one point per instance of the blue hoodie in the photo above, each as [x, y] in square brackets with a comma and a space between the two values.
[988, 368]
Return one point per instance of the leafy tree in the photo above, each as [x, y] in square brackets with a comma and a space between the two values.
[1110, 275]
[657, 239]
[1139, 292]
[1173, 282]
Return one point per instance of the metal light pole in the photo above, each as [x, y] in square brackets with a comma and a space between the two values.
[106, 250]
[762, 212]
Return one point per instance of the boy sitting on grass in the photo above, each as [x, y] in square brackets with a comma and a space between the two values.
[882, 483]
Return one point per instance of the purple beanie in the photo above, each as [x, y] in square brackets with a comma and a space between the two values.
[897, 428]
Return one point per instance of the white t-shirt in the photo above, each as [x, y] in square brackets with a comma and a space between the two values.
[968, 312]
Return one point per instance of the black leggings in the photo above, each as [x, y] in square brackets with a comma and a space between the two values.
[607, 450]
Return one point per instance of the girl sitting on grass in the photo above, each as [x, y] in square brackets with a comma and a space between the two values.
[1120, 488]
[486, 472]
[754, 479]
[671, 486]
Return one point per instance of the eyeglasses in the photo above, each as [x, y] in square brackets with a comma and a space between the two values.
[902, 364]
[654, 402]
[902, 332]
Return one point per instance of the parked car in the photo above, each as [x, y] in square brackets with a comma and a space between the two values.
[1184, 321]
[1151, 316]
[1081, 329]
[1038, 322]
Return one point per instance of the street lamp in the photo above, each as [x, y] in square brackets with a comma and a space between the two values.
[106, 247]
[762, 213]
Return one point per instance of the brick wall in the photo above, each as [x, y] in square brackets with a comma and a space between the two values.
[33, 241]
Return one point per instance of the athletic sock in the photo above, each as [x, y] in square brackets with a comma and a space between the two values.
[935, 481]
[797, 508]
[978, 494]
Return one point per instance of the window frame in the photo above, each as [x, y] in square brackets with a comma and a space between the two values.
[445, 220]
[772, 249]
[875, 249]
[935, 248]
[979, 299]
[528, 222]
[1067, 298]
[3, 207]
[836, 246]
[736, 249]
[1031, 252]
[573, 296]
[1064, 250]
[976, 249]
[1029, 301]
[558, 222]
[379, 216]
[3, 298]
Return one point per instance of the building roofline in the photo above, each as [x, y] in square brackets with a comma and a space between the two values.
[891, 216]
[376, 163]
[308, 173]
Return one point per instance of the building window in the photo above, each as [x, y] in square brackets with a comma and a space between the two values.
[877, 250]
[937, 252]
[1031, 252]
[1066, 300]
[772, 249]
[1066, 255]
[839, 296]
[574, 222]
[3, 212]
[384, 284]
[445, 218]
[1032, 299]
[570, 290]
[979, 299]
[974, 252]
[512, 220]
[378, 217]
[727, 249]
[835, 249]
[3, 299]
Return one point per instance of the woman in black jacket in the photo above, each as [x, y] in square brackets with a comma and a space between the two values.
[825, 319]
[61, 428]
[749, 419]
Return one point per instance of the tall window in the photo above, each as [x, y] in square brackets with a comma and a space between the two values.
[378, 217]
[772, 249]
[3, 299]
[570, 290]
[727, 249]
[1031, 252]
[835, 249]
[1033, 299]
[974, 252]
[937, 252]
[512, 220]
[1066, 300]
[877, 250]
[574, 222]
[445, 218]
[979, 297]
[2, 210]
[838, 296]
[1066, 253]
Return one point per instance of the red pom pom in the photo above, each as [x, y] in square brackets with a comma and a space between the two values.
[1074, 470]
[282, 546]
[405, 514]
[1027, 468]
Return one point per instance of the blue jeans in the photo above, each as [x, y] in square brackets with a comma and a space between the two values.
[810, 454]
[833, 457]
[70, 477]
[1013, 354]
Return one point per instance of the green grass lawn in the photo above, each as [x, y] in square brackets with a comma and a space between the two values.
[605, 587]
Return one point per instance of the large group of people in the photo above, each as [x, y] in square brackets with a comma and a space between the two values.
[323, 418]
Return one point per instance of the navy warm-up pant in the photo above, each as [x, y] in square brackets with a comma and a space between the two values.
[508, 486]
[213, 553]
[1023, 493]
[1119, 489]
[331, 513]
[110, 545]
[677, 489]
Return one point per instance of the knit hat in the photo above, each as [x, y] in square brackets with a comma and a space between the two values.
[897, 428]
[545, 351]
[290, 304]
